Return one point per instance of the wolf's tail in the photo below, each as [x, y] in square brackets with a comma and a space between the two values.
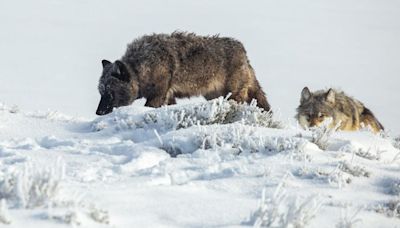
[368, 118]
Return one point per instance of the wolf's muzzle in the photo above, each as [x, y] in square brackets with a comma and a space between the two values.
[105, 106]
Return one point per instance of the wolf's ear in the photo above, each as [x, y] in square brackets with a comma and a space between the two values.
[122, 72]
[330, 96]
[305, 95]
[105, 62]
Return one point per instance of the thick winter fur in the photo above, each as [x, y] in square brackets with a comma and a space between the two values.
[163, 67]
[349, 113]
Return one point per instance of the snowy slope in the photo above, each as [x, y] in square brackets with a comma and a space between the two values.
[51, 50]
[195, 165]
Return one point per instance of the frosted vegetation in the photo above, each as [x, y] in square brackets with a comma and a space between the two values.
[219, 154]
[167, 118]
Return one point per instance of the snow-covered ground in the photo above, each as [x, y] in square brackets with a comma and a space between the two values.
[196, 164]
[209, 164]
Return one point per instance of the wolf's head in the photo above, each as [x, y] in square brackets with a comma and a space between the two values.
[116, 86]
[316, 107]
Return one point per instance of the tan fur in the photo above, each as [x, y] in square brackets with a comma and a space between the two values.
[346, 112]
[368, 120]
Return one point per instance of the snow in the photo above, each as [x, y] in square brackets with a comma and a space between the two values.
[161, 173]
[197, 163]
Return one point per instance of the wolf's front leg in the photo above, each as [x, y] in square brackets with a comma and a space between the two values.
[171, 101]
[159, 101]
[155, 102]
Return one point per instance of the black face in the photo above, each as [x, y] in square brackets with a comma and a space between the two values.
[105, 105]
[119, 96]
[114, 88]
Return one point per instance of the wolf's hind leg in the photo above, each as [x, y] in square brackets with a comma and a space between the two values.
[370, 120]
[259, 95]
[245, 87]
[241, 96]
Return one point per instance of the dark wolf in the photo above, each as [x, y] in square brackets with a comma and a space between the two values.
[163, 67]
[346, 112]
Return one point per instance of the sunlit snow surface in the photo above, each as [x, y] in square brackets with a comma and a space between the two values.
[144, 167]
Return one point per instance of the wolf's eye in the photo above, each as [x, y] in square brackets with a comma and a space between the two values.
[321, 115]
[110, 95]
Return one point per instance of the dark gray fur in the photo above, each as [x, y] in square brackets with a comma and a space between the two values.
[162, 67]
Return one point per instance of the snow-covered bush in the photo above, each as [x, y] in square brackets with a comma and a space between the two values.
[390, 209]
[70, 217]
[396, 142]
[81, 214]
[76, 210]
[31, 186]
[339, 178]
[372, 153]
[280, 210]
[322, 134]
[99, 215]
[369, 154]
[237, 138]
[13, 109]
[395, 188]
[393, 208]
[245, 140]
[348, 221]
[354, 170]
[314, 174]
[217, 111]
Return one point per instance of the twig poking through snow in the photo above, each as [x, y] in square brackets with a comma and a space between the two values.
[322, 134]
[4, 215]
[347, 221]
[32, 186]
[158, 137]
[354, 170]
[281, 211]
[99, 215]
[396, 157]
[396, 142]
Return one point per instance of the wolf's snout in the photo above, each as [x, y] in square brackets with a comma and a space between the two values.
[105, 107]
[101, 112]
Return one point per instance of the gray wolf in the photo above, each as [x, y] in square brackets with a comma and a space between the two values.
[346, 112]
[162, 67]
